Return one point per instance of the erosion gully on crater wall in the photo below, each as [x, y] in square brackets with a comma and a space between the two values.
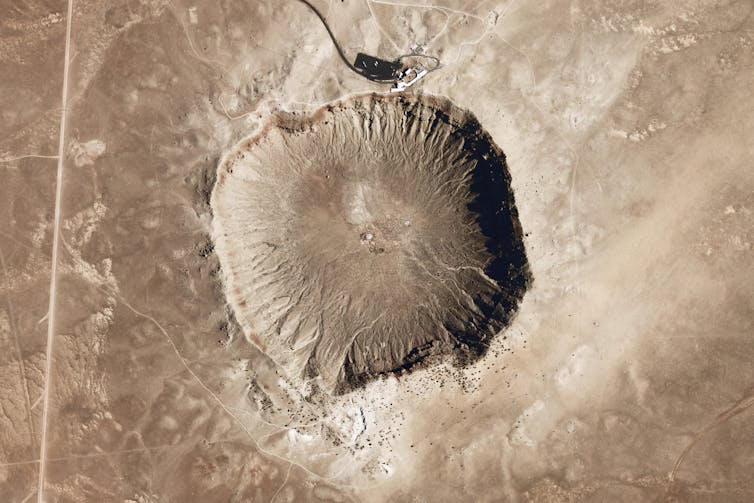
[377, 234]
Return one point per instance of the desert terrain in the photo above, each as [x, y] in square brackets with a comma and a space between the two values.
[621, 371]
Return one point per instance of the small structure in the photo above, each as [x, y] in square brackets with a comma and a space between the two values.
[408, 78]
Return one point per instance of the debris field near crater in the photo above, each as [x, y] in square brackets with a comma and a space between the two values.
[374, 235]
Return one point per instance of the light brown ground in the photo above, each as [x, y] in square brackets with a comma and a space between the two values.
[627, 375]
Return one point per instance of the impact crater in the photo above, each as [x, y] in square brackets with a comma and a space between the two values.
[374, 235]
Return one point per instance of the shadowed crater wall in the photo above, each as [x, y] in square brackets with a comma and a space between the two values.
[376, 234]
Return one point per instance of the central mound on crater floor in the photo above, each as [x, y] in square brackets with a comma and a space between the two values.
[377, 233]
